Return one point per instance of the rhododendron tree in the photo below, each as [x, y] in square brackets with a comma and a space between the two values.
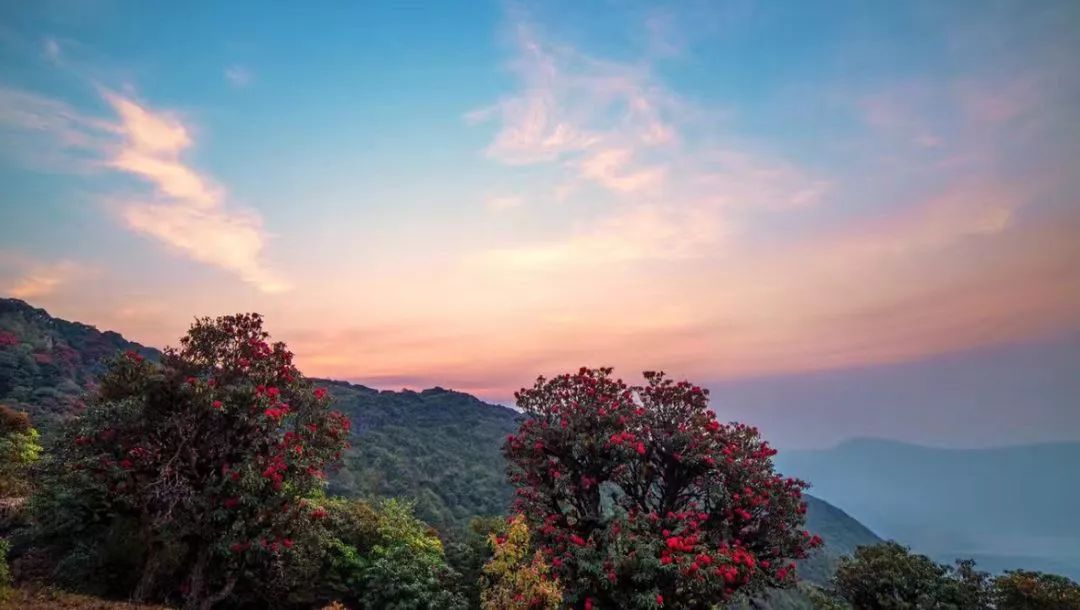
[639, 498]
[517, 577]
[212, 452]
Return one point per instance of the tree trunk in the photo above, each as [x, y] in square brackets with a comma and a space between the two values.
[151, 564]
[197, 581]
[225, 591]
[199, 597]
[148, 578]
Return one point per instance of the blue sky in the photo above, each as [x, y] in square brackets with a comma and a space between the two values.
[750, 194]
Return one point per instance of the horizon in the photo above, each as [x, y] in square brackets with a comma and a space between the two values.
[857, 222]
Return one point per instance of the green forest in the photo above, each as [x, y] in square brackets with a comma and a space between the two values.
[214, 474]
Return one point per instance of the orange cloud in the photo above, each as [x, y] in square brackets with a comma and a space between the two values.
[43, 279]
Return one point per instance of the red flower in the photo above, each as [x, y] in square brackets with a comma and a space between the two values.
[231, 502]
[288, 543]
[578, 540]
[588, 603]
[641, 448]
[659, 600]
[320, 393]
[126, 464]
[318, 513]
[217, 404]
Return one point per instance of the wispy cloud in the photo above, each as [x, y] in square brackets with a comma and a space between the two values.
[238, 76]
[570, 103]
[187, 210]
[618, 126]
[190, 214]
[612, 168]
[152, 143]
[51, 134]
[34, 279]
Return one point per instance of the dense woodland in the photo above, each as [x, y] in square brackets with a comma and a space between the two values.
[216, 475]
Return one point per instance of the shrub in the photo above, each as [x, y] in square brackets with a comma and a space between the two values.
[888, 576]
[406, 568]
[1027, 590]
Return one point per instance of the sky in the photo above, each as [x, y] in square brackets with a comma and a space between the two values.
[845, 218]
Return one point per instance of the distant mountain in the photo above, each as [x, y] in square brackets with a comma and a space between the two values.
[1006, 507]
[439, 448]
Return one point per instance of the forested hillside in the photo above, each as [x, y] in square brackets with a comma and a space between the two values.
[46, 364]
[438, 447]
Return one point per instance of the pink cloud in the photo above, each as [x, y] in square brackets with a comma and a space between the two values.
[611, 169]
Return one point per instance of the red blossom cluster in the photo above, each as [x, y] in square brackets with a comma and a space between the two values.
[635, 491]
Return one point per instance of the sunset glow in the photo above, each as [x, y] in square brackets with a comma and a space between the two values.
[470, 198]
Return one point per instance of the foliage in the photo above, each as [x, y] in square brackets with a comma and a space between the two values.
[822, 599]
[889, 576]
[207, 456]
[1026, 590]
[468, 551]
[406, 568]
[19, 449]
[639, 498]
[436, 448]
[516, 577]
